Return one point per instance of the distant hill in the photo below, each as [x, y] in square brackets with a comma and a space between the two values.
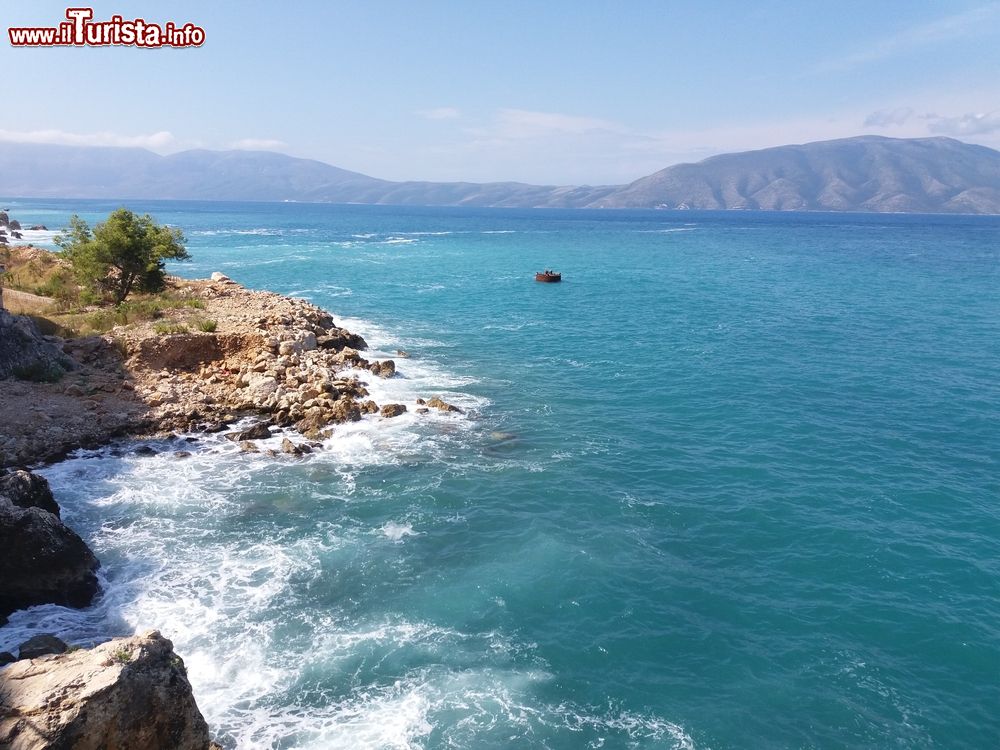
[868, 173]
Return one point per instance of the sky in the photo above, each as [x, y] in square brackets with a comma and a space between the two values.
[552, 92]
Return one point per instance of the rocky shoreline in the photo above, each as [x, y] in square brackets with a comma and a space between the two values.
[280, 361]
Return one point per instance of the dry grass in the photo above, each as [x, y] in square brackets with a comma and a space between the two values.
[25, 303]
[39, 283]
[37, 271]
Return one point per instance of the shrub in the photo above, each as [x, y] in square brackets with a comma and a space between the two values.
[39, 372]
[206, 326]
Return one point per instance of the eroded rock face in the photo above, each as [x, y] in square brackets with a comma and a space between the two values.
[42, 561]
[24, 354]
[129, 693]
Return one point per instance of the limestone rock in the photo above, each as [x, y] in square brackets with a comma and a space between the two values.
[263, 386]
[43, 561]
[287, 446]
[126, 693]
[393, 410]
[384, 369]
[345, 410]
[218, 276]
[312, 425]
[437, 403]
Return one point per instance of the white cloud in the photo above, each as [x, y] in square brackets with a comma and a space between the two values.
[258, 144]
[982, 123]
[883, 118]
[161, 141]
[440, 113]
[950, 28]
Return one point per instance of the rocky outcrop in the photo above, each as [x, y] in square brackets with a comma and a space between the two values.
[27, 490]
[259, 431]
[441, 405]
[25, 354]
[126, 694]
[41, 645]
[393, 410]
[42, 561]
[243, 353]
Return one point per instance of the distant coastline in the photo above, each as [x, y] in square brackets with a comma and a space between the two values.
[866, 174]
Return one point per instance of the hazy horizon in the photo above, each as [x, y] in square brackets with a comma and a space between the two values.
[561, 94]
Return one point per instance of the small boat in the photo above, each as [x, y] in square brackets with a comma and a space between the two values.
[548, 275]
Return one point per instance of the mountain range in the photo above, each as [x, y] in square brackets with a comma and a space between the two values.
[866, 173]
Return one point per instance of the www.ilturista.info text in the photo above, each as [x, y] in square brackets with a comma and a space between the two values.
[80, 31]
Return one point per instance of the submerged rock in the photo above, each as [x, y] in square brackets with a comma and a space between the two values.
[126, 693]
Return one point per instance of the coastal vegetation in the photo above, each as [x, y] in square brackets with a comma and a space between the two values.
[43, 285]
[123, 253]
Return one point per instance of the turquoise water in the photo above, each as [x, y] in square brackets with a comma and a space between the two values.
[732, 484]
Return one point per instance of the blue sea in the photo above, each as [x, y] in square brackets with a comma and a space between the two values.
[734, 483]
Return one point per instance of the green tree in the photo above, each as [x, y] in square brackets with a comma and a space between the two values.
[125, 253]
